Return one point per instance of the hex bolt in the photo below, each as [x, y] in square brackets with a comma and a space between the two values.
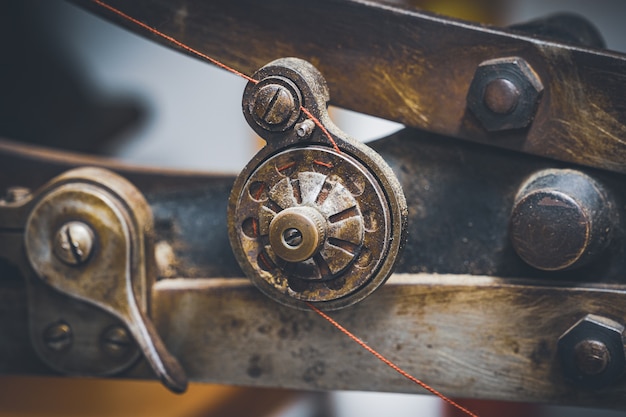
[592, 352]
[58, 336]
[504, 94]
[304, 129]
[292, 237]
[74, 242]
[274, 104]
[116, 342]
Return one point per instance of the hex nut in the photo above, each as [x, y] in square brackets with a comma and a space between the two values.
[606, 360]
[504, 94]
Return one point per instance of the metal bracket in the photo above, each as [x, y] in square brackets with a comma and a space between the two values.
[88, 244]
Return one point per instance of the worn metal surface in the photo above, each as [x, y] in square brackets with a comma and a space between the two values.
[468, 336]
[410, 66]
[115, 276]
[337, 194]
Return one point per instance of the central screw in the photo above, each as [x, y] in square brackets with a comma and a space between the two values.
[591, 357]
[501, 96]
[274, 104]
[292, 237]
[74, 243]
[58, 336]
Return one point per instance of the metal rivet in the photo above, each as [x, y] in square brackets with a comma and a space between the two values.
[58, 336]
[73, 243]
[116, 341]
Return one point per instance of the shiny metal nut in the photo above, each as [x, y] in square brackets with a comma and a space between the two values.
[74, 242]
[592, 351]
[297, 233]
[504, 94]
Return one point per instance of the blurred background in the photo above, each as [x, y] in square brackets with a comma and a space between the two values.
[68, 75]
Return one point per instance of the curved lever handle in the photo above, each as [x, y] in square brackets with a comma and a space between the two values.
[85, 237]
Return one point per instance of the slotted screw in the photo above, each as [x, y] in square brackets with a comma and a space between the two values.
[73, 243]
[58, 336]
[116, 341]
[274, 104]
[292, 237]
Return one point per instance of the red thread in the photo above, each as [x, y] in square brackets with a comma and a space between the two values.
[257, 196]
[208, 58]
[390, 363]
[174, 41]
[262, 255]
[321, 126]
[255, 228]
[322, 163]
[286, 166]
[268, 266]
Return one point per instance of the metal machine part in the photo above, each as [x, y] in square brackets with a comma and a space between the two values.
[464, 290]
[87, 240]
[311, 222]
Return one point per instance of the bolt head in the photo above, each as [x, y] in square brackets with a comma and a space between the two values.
[116, 342]
[592, 351]
[74, 242]
[504, 94]
[58, 336]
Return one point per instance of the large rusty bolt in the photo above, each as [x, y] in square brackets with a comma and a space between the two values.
[592, 352]
[561, 219]
[504, 94]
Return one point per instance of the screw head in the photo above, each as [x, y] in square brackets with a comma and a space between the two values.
[116, 342]
[292, 237]
[74, 242]
[58, 336]
[274, 104]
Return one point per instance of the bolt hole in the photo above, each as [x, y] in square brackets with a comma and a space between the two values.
[250, 227]
[297, 285]
[258, 191]
[265, 263]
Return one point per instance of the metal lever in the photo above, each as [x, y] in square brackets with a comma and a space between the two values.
[86, 238]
